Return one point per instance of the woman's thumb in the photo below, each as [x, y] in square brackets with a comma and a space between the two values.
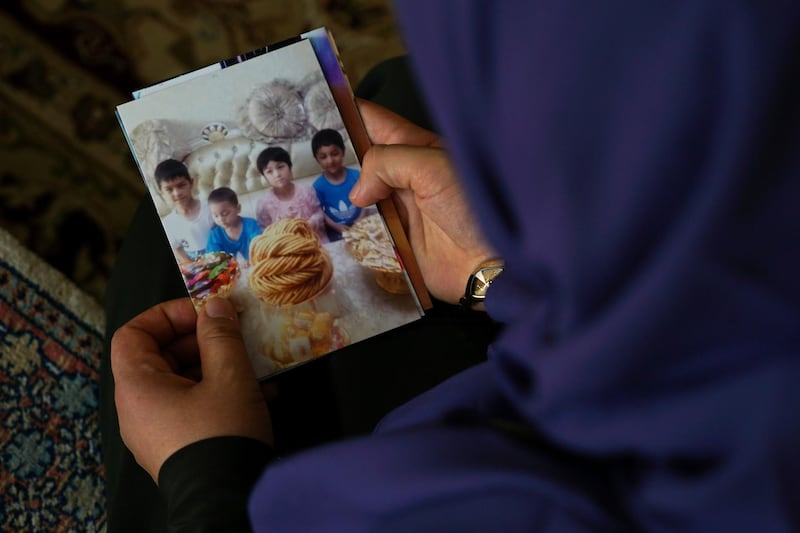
[219, 338]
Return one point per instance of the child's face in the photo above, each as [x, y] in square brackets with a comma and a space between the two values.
[177, 191]
[330, 158]
[278, 174]
[225, 214]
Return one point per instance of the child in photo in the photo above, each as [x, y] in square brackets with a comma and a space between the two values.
[285, 198]
[334, 184]
[232, 232]
[189, 223]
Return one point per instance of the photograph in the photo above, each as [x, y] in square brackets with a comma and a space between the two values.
[250, 164]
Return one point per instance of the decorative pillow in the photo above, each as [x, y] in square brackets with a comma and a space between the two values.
[273, 112]
[321, 109]
[152, 143]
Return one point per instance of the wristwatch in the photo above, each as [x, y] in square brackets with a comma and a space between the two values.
[479, 282]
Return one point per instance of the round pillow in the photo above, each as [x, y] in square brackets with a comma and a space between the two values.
[321, 109]
[274, 111]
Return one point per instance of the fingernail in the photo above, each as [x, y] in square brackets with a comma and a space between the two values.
[219, 308]
[354, 191]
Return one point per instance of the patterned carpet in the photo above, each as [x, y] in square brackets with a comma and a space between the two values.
[68, 188]
[68, 185]
[51, 468]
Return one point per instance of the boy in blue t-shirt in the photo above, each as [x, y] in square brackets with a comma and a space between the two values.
[232, 232]
[334, 184]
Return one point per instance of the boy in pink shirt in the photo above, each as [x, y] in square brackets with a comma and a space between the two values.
[285, 198]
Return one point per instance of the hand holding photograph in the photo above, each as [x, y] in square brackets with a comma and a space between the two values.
[249, 163]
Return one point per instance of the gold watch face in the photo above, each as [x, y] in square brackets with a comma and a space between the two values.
[482, 279]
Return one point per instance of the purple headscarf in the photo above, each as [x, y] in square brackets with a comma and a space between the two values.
[637, 165]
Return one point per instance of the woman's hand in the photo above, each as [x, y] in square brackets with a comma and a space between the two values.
[410, 164]
[180, 378]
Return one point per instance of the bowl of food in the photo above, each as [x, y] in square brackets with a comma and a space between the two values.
[210, 274]
[368, 242]
[291, 337]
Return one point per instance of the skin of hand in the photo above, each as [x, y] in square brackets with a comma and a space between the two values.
[335, 225]
[410, 164]
[181, 377]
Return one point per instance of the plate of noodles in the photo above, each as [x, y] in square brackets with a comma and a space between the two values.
[288, 265]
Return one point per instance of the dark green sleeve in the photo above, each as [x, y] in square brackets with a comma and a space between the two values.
[206, 485]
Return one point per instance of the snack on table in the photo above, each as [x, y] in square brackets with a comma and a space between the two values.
[369, 244]
[288, 265]
[304, 335]
[212, 273]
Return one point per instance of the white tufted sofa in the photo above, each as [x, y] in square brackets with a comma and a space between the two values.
[232, 163]
[223, 152]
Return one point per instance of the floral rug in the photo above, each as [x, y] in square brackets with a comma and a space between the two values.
[51, 340]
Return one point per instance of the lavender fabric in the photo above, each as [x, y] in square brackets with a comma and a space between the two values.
[637, 166]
